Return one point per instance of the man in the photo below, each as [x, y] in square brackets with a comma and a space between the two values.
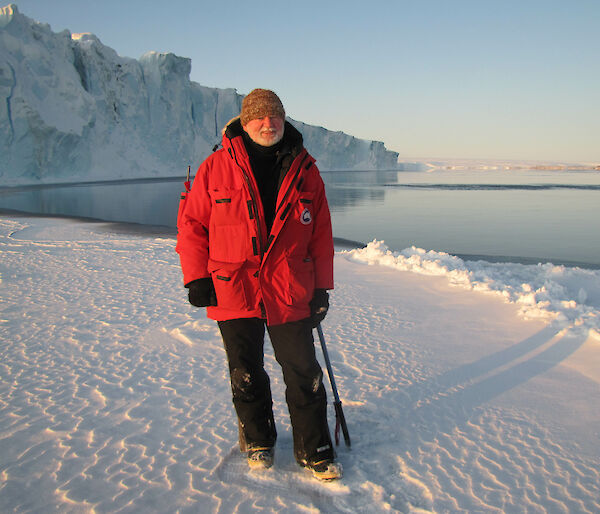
[256, 249]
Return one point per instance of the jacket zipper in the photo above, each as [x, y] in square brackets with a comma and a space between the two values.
[233, 155]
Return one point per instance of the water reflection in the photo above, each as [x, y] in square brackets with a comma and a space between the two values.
[144, 202]
[155, 201]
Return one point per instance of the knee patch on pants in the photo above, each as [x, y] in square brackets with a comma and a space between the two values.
[241, 381]
[248, 385]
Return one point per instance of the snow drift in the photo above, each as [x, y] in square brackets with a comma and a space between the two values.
[570, 297]
[74, 109]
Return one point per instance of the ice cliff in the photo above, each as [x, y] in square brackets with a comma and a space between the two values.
[71, 108]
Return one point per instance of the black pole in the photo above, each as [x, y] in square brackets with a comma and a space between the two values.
[337, 404]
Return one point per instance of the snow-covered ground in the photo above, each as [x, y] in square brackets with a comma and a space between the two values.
[468, 387]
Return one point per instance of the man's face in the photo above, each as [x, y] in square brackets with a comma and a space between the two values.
[266, 131]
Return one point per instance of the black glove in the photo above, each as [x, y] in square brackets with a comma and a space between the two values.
[319, 306]
[201, 292]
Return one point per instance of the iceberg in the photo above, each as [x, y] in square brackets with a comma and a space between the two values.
[73, 109]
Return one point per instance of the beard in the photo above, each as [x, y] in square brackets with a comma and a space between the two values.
[270, 137]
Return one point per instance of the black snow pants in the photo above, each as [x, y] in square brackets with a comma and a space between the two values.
[294, 350]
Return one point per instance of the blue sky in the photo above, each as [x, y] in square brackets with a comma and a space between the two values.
[447, 79]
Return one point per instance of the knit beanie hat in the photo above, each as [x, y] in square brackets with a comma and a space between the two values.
[260, 103]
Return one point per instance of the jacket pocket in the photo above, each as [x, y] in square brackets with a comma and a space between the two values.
[228, 243]
[228, 232]
[304, 210]
[229, 286]
[227, 207]
[301, 281]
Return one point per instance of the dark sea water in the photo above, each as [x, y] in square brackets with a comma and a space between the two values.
[521, 215]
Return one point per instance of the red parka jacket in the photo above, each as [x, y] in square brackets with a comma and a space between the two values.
[222, 234]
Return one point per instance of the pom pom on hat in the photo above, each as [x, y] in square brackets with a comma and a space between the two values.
[260, 103]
